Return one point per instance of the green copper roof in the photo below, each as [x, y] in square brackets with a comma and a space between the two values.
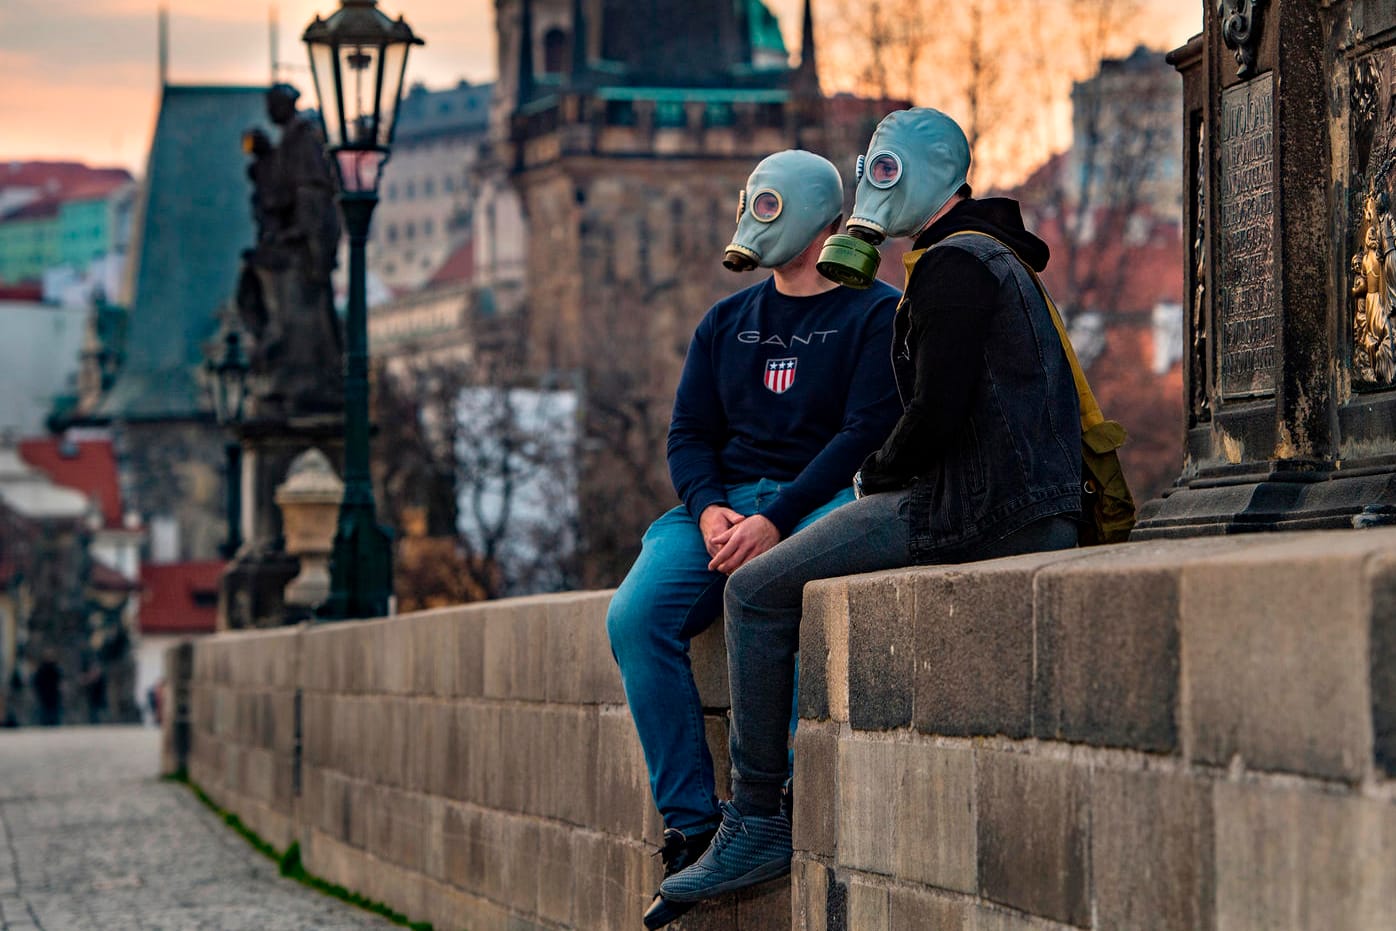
[765, 29]
[192, 224]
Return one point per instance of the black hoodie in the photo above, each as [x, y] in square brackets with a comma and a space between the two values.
[941, 333]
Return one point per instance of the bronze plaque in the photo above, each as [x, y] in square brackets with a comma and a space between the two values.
[1247, 321]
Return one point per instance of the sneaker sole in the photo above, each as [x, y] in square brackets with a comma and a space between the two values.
[764, 873]
[666, 912]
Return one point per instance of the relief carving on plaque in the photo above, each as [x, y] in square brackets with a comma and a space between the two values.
[1200, 403]
[1240, 26]
[1372, 265]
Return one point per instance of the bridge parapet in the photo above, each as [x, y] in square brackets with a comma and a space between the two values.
[1192, 734]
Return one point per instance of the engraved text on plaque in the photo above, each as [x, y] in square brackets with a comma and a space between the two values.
[1247, 322]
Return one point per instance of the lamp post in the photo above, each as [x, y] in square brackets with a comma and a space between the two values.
[358, 57]
[229, 384]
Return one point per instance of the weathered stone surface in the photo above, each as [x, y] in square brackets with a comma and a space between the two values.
[1034, 835]
[907, 810]
[556, 875]
[622, 779]
[915, 910]
[1299, 858]
[516, 649]
[708, 654]
[568, 775]
[881, 651]
[974, 642]
[765, 906]
[1381, 574]
[581, 669]
[1107, 654]
[1152, 850]
[816, 815]
[1265, 680]
[867, 906]
[809, 883]
[824, 650]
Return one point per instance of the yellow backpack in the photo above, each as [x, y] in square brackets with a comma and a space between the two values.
[1107, 505]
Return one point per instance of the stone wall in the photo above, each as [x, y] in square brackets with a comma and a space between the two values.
[1194, 735]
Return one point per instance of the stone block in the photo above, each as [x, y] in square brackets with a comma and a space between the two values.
[1034, 835]
[1275, 647]
[907, 810]
[765, 907]
[556, 873]
[816, 814]
[708, 654]
[469, 646]
[516, 649]
[1152, 851]
[568, 772]
[1295, 857]
[809, 890]
[1108, 654]
[632, 875]
[974, 648]
[464, 843]
[589, 879]
[581, 669]
[623, 799]
[824, 651]
[881, 651]
[919, 910]
[717, 729]
[1381, 576]
[514, 775]
[867, 906]
[988, 918]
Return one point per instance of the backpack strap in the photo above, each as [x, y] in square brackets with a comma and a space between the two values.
[1091, 415]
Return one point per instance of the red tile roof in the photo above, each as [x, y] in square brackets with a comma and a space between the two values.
[459, 266]
[28, 291]
[180, 598]
[57, 178]
[88, 466]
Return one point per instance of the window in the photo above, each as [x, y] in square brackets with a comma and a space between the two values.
[555, 51]
[428, 187]
[411, 231]
[410, 190]
[392, 232]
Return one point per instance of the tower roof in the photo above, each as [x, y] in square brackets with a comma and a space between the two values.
[192, 224]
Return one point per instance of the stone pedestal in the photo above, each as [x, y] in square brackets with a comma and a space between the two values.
[252, 591]
[1290, 140]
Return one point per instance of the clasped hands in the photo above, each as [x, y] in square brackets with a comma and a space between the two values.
[734, 539]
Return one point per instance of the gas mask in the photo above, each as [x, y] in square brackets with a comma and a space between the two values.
[788, 199]
[916, 161]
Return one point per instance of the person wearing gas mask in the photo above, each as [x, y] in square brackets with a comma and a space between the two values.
[984, 462]
[786, 388]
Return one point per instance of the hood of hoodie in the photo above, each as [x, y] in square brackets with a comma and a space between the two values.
[999, 217]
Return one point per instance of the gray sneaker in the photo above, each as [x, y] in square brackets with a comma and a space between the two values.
[745, 852]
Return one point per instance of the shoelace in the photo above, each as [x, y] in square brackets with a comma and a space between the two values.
[726, 832]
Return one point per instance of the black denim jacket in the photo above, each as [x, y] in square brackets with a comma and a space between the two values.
[996, 444]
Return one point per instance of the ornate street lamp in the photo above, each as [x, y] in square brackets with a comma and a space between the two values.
[358, 57]
[229, 385]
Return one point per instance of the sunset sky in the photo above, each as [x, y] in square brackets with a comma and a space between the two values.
[78, 77]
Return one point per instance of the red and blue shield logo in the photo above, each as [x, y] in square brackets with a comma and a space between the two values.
[780, 374]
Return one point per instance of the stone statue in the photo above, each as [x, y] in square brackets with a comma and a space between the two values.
[285, 299]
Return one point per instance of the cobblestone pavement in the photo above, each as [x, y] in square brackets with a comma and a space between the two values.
[92, 840]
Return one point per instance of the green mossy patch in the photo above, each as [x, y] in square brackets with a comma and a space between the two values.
[290, 865]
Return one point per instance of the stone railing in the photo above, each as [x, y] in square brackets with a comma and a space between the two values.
[1174, 735]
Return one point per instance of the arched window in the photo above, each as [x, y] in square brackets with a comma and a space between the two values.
[555, 51]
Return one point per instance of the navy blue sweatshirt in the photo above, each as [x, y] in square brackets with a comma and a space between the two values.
[794, 389]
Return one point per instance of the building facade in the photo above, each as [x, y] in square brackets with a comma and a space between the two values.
[628, 146]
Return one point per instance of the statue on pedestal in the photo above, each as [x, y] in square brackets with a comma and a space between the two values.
[284, 297]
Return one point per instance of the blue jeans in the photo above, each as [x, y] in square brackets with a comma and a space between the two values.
[764, 600]
[668, 597]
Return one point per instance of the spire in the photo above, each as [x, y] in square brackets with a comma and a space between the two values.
[525, 53]
[580, 62]
[164, 44]
[808, 76]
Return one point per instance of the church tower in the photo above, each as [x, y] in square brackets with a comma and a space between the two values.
[629, 127]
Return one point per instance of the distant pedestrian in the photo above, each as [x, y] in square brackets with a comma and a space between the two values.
[94, 685]
[48, 691]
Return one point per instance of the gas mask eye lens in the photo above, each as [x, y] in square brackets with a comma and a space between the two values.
[884, 170]
[766, 206]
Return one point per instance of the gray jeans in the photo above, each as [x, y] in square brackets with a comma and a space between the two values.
[763, 603]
